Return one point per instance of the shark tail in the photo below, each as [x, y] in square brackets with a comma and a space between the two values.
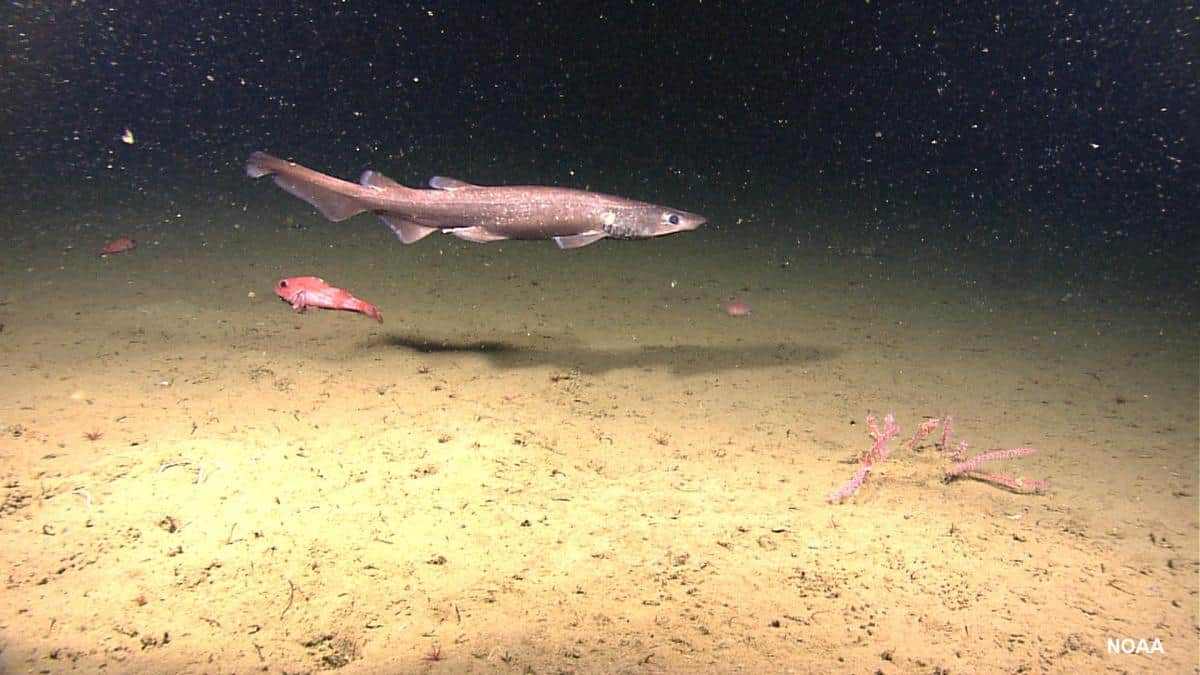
[336, 199]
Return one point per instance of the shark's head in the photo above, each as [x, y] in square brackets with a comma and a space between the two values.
[648, 220]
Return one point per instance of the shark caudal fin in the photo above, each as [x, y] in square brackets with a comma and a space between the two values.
[331, 196]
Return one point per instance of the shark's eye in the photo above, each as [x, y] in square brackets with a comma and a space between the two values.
[673, 219]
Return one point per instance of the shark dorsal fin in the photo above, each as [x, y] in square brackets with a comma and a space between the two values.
[377, 180]
[444, 183]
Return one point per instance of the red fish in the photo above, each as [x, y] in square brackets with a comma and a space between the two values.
[305, 292]
[118, 246]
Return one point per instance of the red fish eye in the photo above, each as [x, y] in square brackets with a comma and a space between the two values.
[283, 283]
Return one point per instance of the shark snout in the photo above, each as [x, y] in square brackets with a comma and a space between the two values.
[679, 221]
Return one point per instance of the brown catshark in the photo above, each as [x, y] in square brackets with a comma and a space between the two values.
[572, 218]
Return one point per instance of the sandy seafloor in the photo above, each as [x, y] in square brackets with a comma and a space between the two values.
[572, 461]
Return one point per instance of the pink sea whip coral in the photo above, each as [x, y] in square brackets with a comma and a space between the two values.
[879, 451]
[970, 468]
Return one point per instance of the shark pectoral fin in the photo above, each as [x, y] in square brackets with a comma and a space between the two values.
[577, 240]
[406, 230]
[332, 204]
[444, 183]
[477, 234]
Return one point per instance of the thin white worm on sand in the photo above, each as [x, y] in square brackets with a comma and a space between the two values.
[171, 465]
[83, 492]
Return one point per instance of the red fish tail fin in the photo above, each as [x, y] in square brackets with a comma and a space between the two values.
[368, 309]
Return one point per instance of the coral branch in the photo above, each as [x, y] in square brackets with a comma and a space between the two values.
[970, 467]
[924, 430]
[973, 463]
[947, 427]
[849, 488]
[873, 426]
[879, 451]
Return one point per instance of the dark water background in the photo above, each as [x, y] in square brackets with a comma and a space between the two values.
[1048, 137]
